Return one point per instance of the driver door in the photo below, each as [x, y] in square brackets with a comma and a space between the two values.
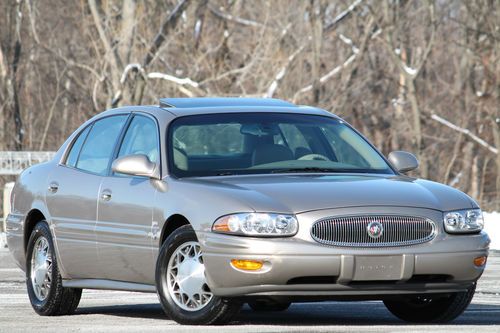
[125, 210]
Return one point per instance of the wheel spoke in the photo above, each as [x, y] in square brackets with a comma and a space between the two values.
[185, 278]
[41, 268]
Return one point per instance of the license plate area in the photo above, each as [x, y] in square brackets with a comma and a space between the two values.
[377, 268]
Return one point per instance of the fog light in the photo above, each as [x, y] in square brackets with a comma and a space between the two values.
[247, 265]
[480, 261]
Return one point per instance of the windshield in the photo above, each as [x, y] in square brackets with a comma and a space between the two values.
[262, 143]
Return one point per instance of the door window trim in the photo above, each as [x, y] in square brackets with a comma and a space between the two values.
[119, 143]
[91, 125]
[72, 144]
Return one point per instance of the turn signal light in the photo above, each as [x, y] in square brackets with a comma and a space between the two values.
[221, 227]
[480, 261]
[247, 265]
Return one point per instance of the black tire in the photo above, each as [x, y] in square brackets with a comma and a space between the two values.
[217, 311]
[430, 309]
[59, 300]
[265, 305]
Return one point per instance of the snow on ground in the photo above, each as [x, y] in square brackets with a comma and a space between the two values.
[492, 227]
[3, 240]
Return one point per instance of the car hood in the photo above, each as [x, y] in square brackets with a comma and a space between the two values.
[301, 193]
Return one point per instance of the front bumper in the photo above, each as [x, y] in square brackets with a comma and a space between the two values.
[300, 267]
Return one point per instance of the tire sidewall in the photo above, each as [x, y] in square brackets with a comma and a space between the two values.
[41, 229]
[441, 310]
[180, 236]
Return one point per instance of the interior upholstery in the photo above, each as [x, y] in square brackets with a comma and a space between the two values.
[269, 153]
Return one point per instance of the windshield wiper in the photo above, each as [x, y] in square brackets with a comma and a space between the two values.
[307, 169]
[225, 173]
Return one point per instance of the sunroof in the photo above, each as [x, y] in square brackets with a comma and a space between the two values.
[200, 102]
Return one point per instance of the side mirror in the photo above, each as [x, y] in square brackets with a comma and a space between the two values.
[135, 165]
[403, 161]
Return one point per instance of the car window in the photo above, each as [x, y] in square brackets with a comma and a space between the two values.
[294, 137]
[350, 148]
[141, 138]
[209, 139]
[77, 146]
[98, 148]
[251, 143]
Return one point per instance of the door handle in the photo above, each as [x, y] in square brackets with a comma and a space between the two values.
[106, 195]
[53, 187]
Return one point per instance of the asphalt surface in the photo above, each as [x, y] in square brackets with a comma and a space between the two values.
[114, 311]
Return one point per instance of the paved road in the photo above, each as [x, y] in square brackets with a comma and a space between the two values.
[113, 311]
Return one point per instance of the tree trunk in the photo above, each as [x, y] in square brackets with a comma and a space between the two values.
[417, 129]
[3, 97]
[14, 81]
[316, 32]
[465, 178]
[496, 136]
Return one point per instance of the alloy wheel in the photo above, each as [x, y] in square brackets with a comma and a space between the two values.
[41, 268]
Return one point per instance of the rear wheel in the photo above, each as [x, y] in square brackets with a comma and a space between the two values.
[47, 295]
[268, 305]
[429, 308]
[181, 284]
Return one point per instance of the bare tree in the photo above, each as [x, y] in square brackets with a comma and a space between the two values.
[422, 76]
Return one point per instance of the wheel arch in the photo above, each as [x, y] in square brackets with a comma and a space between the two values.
[171, 224]
[32, 218]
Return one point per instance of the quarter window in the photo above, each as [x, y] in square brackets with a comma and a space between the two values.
[98, 148]
[77, 146]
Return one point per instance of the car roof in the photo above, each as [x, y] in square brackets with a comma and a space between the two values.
[202, 102]
[209, 105]
[179, 107]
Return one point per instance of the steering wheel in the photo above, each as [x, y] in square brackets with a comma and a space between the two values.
[313, 157]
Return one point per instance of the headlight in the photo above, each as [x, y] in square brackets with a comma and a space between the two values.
[257, 224]
[464, 221]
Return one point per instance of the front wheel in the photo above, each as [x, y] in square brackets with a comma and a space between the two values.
[47, 295]
[429, 308]
[181, 284]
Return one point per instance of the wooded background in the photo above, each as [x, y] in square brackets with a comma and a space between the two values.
[421, 76]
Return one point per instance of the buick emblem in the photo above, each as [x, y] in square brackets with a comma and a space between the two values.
[375, 229]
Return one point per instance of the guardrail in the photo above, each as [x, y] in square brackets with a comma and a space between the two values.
[14, 162]
[6, 203]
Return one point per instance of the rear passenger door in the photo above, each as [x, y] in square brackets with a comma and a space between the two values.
[125, 210]
[72, 192]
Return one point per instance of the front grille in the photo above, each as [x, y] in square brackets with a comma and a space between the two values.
[353, 231]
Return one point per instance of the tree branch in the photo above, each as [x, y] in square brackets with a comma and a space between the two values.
[181, 82]
[281, 73]
[109, 53]
[465, 131]
[336, 70]
[239, 20]
[168, 24]
[340, 17]
[59, 93]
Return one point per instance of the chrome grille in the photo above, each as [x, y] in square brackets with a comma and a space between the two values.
[352, 231]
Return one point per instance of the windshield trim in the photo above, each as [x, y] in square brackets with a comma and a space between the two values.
[238, 172]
